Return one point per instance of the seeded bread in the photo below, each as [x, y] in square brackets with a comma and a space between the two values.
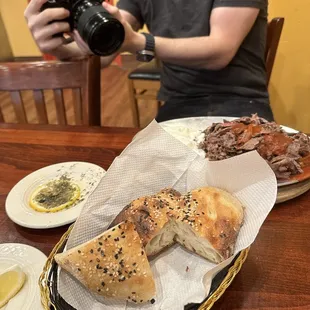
[113, 265]
[207, 222]
[150, 214]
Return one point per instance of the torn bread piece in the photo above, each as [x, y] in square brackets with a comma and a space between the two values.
[207, 222]
[113, 265]
[150, 214]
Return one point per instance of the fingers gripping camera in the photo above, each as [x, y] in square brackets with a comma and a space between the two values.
[103, 33]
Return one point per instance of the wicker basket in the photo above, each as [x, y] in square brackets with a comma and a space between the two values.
[217, 291]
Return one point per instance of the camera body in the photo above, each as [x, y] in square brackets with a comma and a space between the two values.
[103, 33]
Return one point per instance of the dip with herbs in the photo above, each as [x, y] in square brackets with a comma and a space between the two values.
[55, 195]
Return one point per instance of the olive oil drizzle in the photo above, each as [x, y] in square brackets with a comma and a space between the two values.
[56, 193]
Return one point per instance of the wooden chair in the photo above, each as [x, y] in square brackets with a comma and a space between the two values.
[81, 75]
[274, 32]
[144, 82]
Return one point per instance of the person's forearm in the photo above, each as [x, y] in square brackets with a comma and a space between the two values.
[107, 60]
[203, 52]
[197, 52]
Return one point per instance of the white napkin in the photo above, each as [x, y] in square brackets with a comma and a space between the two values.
[155, 160]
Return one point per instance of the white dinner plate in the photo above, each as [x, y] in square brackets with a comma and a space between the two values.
[190, 132]
[31, 261]
[86, 175]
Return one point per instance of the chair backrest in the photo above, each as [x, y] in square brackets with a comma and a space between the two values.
[274, 32]
[81, 75]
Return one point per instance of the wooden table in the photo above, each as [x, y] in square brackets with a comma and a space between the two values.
[276, 273]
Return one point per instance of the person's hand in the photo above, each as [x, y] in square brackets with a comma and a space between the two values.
[81, 43]
[43, 30]
[134, 41]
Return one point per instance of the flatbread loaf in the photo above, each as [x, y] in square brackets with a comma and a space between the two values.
[113, 265]
[150, 214]
[206, 221]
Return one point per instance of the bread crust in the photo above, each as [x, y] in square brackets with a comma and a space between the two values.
[113, 265]
[211, 213]
[214, 215]
[150, 214]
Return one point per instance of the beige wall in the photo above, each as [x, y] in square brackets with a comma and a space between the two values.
[21, 41]
[5, 49]
[290, 83]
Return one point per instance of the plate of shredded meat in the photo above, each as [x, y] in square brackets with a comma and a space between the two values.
[286, 150]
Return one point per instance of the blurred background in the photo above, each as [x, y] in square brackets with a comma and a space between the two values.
[289, 86]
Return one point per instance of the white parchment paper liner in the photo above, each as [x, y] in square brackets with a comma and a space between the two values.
[155, 160]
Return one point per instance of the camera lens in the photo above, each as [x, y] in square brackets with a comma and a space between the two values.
[104, 35]
[102, 32]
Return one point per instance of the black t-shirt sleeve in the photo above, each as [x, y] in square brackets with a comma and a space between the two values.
[132, 7]
[259, 4]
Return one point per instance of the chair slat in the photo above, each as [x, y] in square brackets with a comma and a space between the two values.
[81, 73]
[39, 100]
[60, 107]
[77, 101]
[1, 116]
[19, 107]
[274, 32]
[134, 104]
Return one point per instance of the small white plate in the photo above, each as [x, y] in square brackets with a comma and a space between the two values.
[86, 175]
[31, 261]
[190, 132]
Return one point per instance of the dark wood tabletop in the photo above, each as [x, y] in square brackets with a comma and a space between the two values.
[276, 274]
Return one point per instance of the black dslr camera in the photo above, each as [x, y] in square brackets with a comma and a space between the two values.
[103, 33]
